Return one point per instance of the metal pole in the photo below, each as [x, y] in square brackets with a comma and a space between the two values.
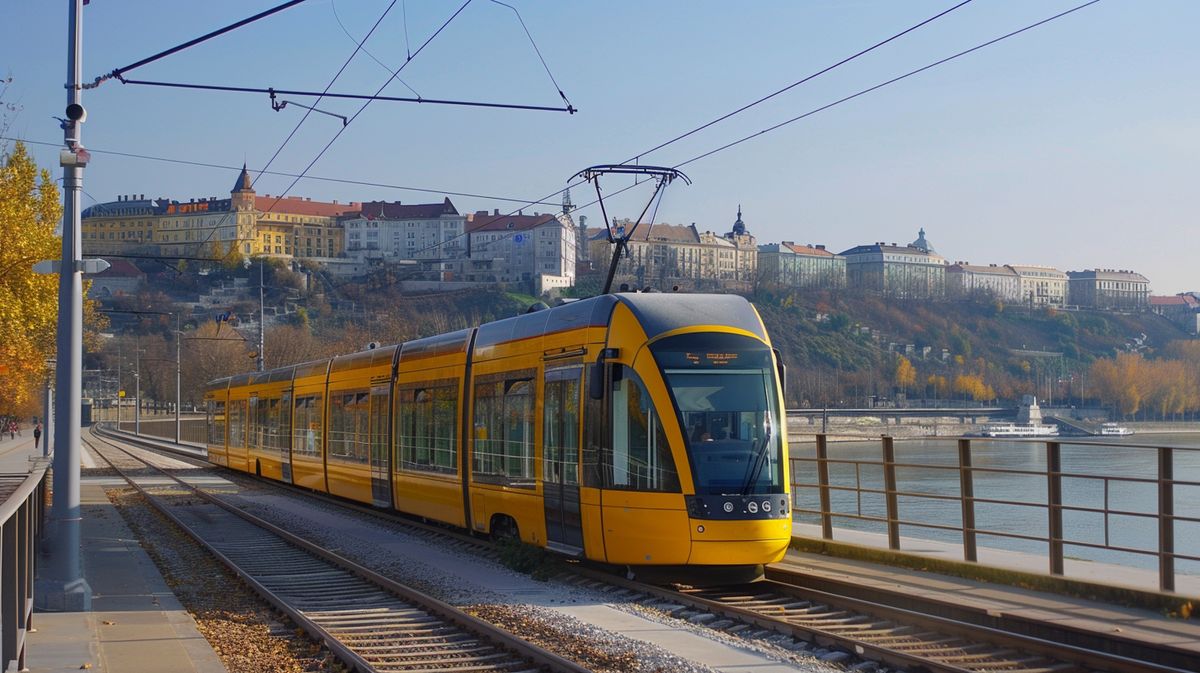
[47, 418]
[261, 311]
[64, 587]
[891, 499]
[178, 399]
[137, 385]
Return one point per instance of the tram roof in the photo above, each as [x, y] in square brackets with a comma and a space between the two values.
[657, 312]
[662, 312]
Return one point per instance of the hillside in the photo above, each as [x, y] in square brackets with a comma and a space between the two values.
[842, 346]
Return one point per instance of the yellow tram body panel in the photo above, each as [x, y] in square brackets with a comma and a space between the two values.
[645, 528]
[739, 542]
[357, 404]
[427, 480]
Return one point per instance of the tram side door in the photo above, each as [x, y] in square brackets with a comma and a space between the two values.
[560, 459]
[381, 487]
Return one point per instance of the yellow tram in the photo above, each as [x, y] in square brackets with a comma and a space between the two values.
[639, 429]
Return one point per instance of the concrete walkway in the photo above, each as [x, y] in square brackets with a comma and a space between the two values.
[136, 624]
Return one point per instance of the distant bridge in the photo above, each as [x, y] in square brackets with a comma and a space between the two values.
[896, 415]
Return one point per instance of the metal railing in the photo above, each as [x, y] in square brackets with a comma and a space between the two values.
[192, 429]
[1065, 504]
[22, 516]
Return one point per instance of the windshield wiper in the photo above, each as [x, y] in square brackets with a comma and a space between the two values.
[759, 456]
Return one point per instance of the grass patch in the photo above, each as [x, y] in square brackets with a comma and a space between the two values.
[527, 559]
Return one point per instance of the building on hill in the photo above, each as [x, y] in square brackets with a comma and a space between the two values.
[1109, 289]
[1041, 285]
[913, 271]
[967, 280]
[538, 249]
[1182, 309]
[244, 224]
[790, 265]
[382, 232]
[120, 278]
[741, 263]
[666, 255]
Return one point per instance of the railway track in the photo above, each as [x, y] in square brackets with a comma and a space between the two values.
[368, 621]
[898, 637]
[898, 630]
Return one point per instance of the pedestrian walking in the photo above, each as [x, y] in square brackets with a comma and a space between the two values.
[37, 435]
[12, 429]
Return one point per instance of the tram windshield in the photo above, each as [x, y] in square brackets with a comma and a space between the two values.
[724, 390]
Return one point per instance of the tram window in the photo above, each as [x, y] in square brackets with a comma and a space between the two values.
[216, 422]
[253, 425]
[641, 457]
[595, 473]
[237, 423]
[348, 431]
[379, 424]
[306, 437]
[283, 422]
[560, 427]
[503, 447]
[426, 429]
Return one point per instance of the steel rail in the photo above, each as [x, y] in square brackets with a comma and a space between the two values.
[500, 651]
[901, 636]
[1109, 642]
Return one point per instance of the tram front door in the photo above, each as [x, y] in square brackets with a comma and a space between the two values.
[560, 459]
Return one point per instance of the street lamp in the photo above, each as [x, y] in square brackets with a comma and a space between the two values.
[261, 309]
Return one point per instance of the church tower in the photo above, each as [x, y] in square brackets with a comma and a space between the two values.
[241, 207]
[242, 194]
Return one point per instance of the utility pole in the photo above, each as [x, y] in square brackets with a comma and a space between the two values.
[261, 313]
[64, 587]
[120, 396]
[137, 385]
[48, 412]
[178, 398]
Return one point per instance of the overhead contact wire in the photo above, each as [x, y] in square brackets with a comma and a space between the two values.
[119, 72]
[368, 102]
[887, 83]
[800, 81]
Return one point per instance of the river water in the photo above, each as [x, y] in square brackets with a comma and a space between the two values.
[1118, 458]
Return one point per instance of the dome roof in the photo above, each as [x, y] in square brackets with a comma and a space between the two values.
[921, 243]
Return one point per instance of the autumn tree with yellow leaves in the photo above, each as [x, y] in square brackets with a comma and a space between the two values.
[30, 208]
[1161, 388]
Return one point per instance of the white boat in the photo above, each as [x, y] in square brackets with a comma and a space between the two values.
[1020, 430]
[1114, 430]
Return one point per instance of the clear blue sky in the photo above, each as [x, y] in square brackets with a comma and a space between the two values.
[1073, 145]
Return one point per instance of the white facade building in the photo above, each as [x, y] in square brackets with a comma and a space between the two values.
[538, 249]
[1041, 285]
[966, 280]
[395, 231]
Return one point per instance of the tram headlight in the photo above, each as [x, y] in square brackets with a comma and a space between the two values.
[766, 506]
[752, 507]
[728, 507]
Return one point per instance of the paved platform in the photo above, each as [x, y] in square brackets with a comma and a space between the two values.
[136, 624]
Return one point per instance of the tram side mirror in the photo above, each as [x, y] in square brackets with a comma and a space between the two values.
[596, 381]
[782, 369]
[596, 374]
